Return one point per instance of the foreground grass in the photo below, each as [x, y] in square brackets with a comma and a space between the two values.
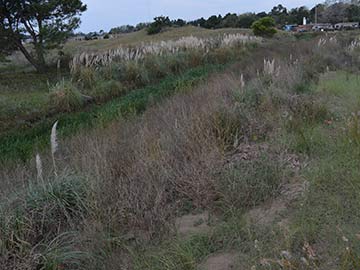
[273, 159]
[319, 230]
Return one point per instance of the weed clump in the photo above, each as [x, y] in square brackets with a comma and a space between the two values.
[65, 96]
[250, 182]
[35, 228]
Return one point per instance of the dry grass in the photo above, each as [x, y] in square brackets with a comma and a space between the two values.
[120, 186]
[171, 154]
[136, 38]
[139, 52]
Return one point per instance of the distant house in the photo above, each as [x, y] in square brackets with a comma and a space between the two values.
[323, 27]
[77, 38]
[290, 27]
[304, 28]
[347, 26]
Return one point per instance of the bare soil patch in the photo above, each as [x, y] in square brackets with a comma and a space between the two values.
[222, 261]
[193, 224]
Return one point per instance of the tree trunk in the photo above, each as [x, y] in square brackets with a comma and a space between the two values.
[39, 45]
[40, 56]
[38, 65]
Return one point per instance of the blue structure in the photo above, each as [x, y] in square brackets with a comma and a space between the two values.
[290, 27]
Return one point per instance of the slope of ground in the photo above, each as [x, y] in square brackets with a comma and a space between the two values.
[142, 37]
[254, 168]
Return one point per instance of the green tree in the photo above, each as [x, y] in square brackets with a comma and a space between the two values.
[199, 22]
[280, 14]
[335, 13]
[141, 26]
[246, 20]
[178, 22]
[353, 13]
[296, 15]
[230, 20]
[158, 24]
[264, 27]
[47, 22]
[213, 22]
[122, 29]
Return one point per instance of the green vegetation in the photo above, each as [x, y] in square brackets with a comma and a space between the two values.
[46, 23]
[92, 86]
[28, 97]
[158, 25]
[245, 155]
[21, 142]
[264, 27]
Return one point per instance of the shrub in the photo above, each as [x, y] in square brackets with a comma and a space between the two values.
[41, 219]
[264, 27]
[156, 66]
[158, 24]
[65, 96]
[135, 74]
[249, 183]
[107, 89]
[86, 77]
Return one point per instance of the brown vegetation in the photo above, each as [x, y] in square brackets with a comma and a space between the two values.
[229, 145]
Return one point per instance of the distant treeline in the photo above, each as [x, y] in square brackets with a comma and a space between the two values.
[331, 11]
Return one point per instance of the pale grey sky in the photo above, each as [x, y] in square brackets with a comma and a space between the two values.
[105, 14]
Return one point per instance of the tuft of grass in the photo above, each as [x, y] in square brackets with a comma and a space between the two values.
[65, 96]
[328, 214]
[35, 226]
[62, 253]
[249, 183]
[107, 89]
[86, 78]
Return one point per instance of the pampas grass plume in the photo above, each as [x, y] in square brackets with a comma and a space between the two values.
[39, 167]
[53, 139]
[54, 144]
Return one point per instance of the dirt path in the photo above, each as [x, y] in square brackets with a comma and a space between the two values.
[272, 211]
[221, 261]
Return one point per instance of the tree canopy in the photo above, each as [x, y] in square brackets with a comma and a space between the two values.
[264, 27]
[158, 24]
[46, 23]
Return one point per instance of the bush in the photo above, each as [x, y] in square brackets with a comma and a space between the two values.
[265, 27]
[135, 74]
[107, 89]
[34, 228]
[65, 96]
[250, 183]
[86, 78]
[158, 24]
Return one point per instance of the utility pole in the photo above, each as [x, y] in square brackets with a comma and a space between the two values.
[316, 15]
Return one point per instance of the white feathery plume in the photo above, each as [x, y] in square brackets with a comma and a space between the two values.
[39, 167]
[54, 144]
[53, 139]
[242, 81]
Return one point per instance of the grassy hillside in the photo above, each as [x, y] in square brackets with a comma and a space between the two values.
[18, 61]
[31, 101]
[243, 157]
[143, 37]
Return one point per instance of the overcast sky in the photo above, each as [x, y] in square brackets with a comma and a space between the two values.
[105, 14]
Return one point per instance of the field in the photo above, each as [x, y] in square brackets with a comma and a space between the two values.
[218, 151]
[25, 95]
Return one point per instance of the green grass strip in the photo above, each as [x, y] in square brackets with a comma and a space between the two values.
[20, 144]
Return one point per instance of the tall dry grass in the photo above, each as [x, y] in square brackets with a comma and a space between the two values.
[136, 53]
[126, 182]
